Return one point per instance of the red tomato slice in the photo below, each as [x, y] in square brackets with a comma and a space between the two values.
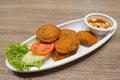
[42, 49]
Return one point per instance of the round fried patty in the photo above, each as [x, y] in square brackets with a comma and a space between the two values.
[58, 56]
[67, 42]
[86, 37]
[48, 33]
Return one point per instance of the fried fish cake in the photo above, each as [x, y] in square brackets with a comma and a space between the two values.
[67, 42]
[71, 34]
[58, 56]
[86, 37]
[48, 33]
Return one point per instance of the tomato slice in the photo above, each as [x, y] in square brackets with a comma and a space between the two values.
[42, 49]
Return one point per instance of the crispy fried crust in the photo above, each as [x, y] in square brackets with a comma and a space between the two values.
[71, 34]
[86, 37]
[48, 33]
[58, 56]
[67, 42]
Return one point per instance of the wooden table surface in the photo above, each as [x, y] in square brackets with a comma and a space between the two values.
[19, 20]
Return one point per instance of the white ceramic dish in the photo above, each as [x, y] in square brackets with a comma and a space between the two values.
[99, 31]
[76, 25]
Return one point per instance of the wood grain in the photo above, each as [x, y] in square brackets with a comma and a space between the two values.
[19, 19]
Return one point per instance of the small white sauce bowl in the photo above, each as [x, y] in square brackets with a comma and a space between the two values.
[99, 31]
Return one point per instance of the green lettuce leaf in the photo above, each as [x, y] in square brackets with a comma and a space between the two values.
[22, 58]
[15, 53]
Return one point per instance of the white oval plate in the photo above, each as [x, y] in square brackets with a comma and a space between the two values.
[76, 25]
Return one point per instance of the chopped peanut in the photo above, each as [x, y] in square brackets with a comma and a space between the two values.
[93, 19]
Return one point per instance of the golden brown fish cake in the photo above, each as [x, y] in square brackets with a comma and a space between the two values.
[58, 56]
[67, 42]
[86, 37]
[48, 33]
[69, 33]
